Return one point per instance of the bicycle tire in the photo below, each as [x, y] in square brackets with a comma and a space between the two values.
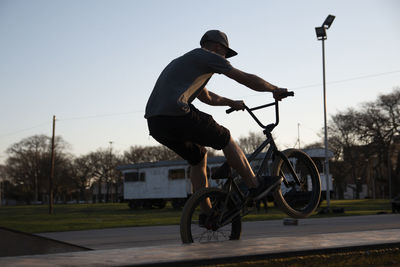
[192, 232]
[297, 201]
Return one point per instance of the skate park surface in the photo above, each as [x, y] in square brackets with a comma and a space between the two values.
[161, 245]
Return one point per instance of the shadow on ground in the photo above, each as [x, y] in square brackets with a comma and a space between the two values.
[15, 243]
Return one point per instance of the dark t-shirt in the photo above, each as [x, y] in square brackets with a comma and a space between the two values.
[182, 80]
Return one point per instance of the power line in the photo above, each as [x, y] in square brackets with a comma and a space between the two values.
[295, 88]
[141, 111]
[71, 119]
[100, 116]
[338, 81]
[24, 130]
[349, 79]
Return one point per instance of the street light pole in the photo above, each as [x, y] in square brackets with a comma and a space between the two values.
[328, 195]
[321, 35]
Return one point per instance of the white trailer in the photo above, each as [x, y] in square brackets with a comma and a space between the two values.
[153, 184]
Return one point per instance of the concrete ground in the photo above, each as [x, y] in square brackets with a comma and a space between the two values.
[169, 235]
[309, 235]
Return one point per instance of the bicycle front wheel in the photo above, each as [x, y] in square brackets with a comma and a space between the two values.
[298, 198]
[219, 224]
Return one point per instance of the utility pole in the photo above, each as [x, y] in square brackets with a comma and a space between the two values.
[52, 168]
[298, 134]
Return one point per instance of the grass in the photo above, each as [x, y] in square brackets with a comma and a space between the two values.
[35, 219]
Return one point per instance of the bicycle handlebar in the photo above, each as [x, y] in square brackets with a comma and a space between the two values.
[289, 93]
[250, 110]
[284, 95]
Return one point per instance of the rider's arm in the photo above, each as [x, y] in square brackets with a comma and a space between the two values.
[254, 82]
[213, 99]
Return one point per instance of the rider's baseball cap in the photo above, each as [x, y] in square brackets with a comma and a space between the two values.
[218, 37]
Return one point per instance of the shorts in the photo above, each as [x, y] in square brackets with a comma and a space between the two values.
[188, 135]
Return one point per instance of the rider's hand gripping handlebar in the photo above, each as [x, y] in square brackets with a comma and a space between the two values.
[284, 95]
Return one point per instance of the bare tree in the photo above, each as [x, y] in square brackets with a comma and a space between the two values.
[137, 154]
[377, 127]
[28, 164]
[345, 138]
[365, 133]
[104, 170]
[81, 173]
[23, 165]
[390, 104]
[251, 142]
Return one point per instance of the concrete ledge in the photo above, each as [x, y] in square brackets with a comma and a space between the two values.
[175, 254]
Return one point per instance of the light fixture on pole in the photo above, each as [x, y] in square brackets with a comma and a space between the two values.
[321, 35]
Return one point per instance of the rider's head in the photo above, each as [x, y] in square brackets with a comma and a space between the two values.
[217, 41]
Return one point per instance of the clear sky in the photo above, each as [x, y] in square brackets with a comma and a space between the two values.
[93, 63]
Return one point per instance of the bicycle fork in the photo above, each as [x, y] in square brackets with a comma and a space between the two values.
[291, 170]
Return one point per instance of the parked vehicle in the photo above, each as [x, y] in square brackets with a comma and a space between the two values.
[151, 185]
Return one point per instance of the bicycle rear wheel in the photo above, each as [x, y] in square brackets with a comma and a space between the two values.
[298, 200]
[216, 228]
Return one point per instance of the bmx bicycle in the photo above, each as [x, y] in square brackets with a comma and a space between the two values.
[298, 193]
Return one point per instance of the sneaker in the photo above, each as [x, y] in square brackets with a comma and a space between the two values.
[266, 184]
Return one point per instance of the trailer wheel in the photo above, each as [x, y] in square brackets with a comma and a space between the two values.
[178, 203]
[148, 204]
[133, 204]
[159, 203]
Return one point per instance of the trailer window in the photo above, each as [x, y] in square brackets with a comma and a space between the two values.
[176, 174]
[135, 176]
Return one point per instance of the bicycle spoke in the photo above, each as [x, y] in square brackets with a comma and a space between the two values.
[212, 236]
[208, 228]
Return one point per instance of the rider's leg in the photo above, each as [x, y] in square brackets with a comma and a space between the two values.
[198, 176]
[237, 160]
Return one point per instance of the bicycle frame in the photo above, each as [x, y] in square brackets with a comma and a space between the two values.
[271, 153]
